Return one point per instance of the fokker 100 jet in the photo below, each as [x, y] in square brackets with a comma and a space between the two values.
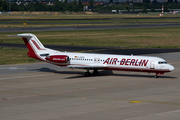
[94, 62]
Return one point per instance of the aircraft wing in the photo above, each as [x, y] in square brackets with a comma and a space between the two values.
[87, 66]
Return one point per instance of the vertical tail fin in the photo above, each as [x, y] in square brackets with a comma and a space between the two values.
[34, 46]
[33, 41]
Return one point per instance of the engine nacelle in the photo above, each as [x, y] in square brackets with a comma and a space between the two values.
[58, 58]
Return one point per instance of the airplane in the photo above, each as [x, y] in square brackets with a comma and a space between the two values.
[94, 62]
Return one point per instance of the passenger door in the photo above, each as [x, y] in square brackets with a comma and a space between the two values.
[152, 65]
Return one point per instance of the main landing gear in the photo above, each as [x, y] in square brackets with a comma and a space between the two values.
[87, 73]
[95, 72]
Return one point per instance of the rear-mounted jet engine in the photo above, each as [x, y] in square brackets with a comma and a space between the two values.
[58, 58]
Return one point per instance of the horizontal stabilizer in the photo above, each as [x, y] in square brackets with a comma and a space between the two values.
[22, 35]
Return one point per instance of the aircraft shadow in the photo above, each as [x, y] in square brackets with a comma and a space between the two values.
[81, 74]
[149, 76]
[55, 71]
[101, 73]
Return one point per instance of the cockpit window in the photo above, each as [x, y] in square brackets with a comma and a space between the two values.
[162, 62]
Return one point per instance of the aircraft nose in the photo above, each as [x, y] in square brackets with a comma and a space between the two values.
[171, 68]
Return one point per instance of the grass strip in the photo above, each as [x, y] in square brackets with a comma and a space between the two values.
[14, 56]
[131, 38]
[20, 15]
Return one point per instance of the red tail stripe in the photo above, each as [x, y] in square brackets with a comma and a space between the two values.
[28, 45]
[37, 45]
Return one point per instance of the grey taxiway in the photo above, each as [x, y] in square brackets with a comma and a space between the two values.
[70, 28]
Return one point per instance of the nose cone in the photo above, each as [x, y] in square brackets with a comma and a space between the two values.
[171, 68]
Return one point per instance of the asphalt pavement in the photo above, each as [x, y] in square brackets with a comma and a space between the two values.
[70, 28]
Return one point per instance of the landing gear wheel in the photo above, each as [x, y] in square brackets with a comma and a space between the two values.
[95, 72]
[156, 76]
[87, 73]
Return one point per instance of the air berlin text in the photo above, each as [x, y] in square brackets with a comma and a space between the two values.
[124, 61]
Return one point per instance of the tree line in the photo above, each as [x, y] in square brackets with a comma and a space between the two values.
[40, 6]
[75, 6]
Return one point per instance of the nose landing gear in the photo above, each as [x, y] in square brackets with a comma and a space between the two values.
[156, 76]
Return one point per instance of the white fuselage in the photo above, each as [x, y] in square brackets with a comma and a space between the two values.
[117, 62]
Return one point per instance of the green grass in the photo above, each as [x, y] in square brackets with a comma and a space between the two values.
[81, 15]
[72, 16]
[14, 56]
[131, 38]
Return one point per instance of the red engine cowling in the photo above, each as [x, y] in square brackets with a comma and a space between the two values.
[58, 58]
